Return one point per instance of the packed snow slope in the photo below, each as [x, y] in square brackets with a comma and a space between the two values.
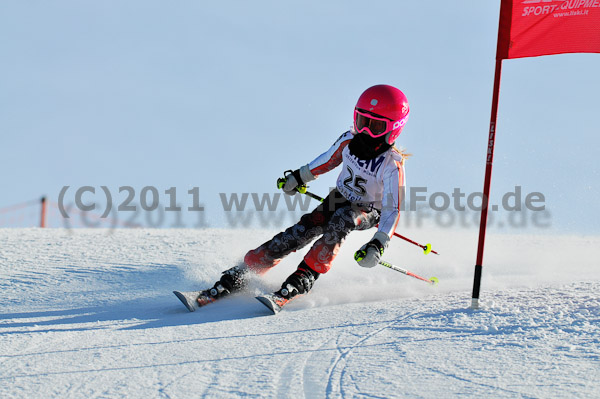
[90, 313]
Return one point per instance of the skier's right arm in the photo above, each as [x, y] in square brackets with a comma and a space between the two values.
[322, 164]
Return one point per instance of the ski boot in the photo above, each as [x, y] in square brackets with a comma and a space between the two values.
[232, 280]
[298, 283]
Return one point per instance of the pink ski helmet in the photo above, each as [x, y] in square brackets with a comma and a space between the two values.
[381, 110]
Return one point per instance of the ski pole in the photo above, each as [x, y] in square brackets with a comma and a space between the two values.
[314, 196]
[302, 190]
[426, 248]
[431, 281]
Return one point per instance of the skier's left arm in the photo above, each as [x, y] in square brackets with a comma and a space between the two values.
[393, 194]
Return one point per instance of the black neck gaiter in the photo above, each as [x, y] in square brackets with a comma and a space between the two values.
[365, 147]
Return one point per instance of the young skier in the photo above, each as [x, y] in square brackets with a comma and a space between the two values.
[368, 192]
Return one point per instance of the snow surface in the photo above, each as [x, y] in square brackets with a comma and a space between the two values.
[90, 313]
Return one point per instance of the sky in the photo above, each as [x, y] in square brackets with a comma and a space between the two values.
[225, 96]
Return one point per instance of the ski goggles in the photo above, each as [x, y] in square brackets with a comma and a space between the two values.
[374, 125]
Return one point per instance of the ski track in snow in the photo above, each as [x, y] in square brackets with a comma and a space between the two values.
[89, 313]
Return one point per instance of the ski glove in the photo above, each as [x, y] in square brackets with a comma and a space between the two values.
[292, 181]
[295, 180]
[370, 254]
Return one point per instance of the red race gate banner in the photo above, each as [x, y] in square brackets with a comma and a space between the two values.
[530, 28]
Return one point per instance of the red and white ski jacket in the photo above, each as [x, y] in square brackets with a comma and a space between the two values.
[378, 182]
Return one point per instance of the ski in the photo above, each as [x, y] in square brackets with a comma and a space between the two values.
[194, 299]
[274, 302]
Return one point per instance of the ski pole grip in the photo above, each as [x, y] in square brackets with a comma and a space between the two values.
[360, 255]
[281, 182]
